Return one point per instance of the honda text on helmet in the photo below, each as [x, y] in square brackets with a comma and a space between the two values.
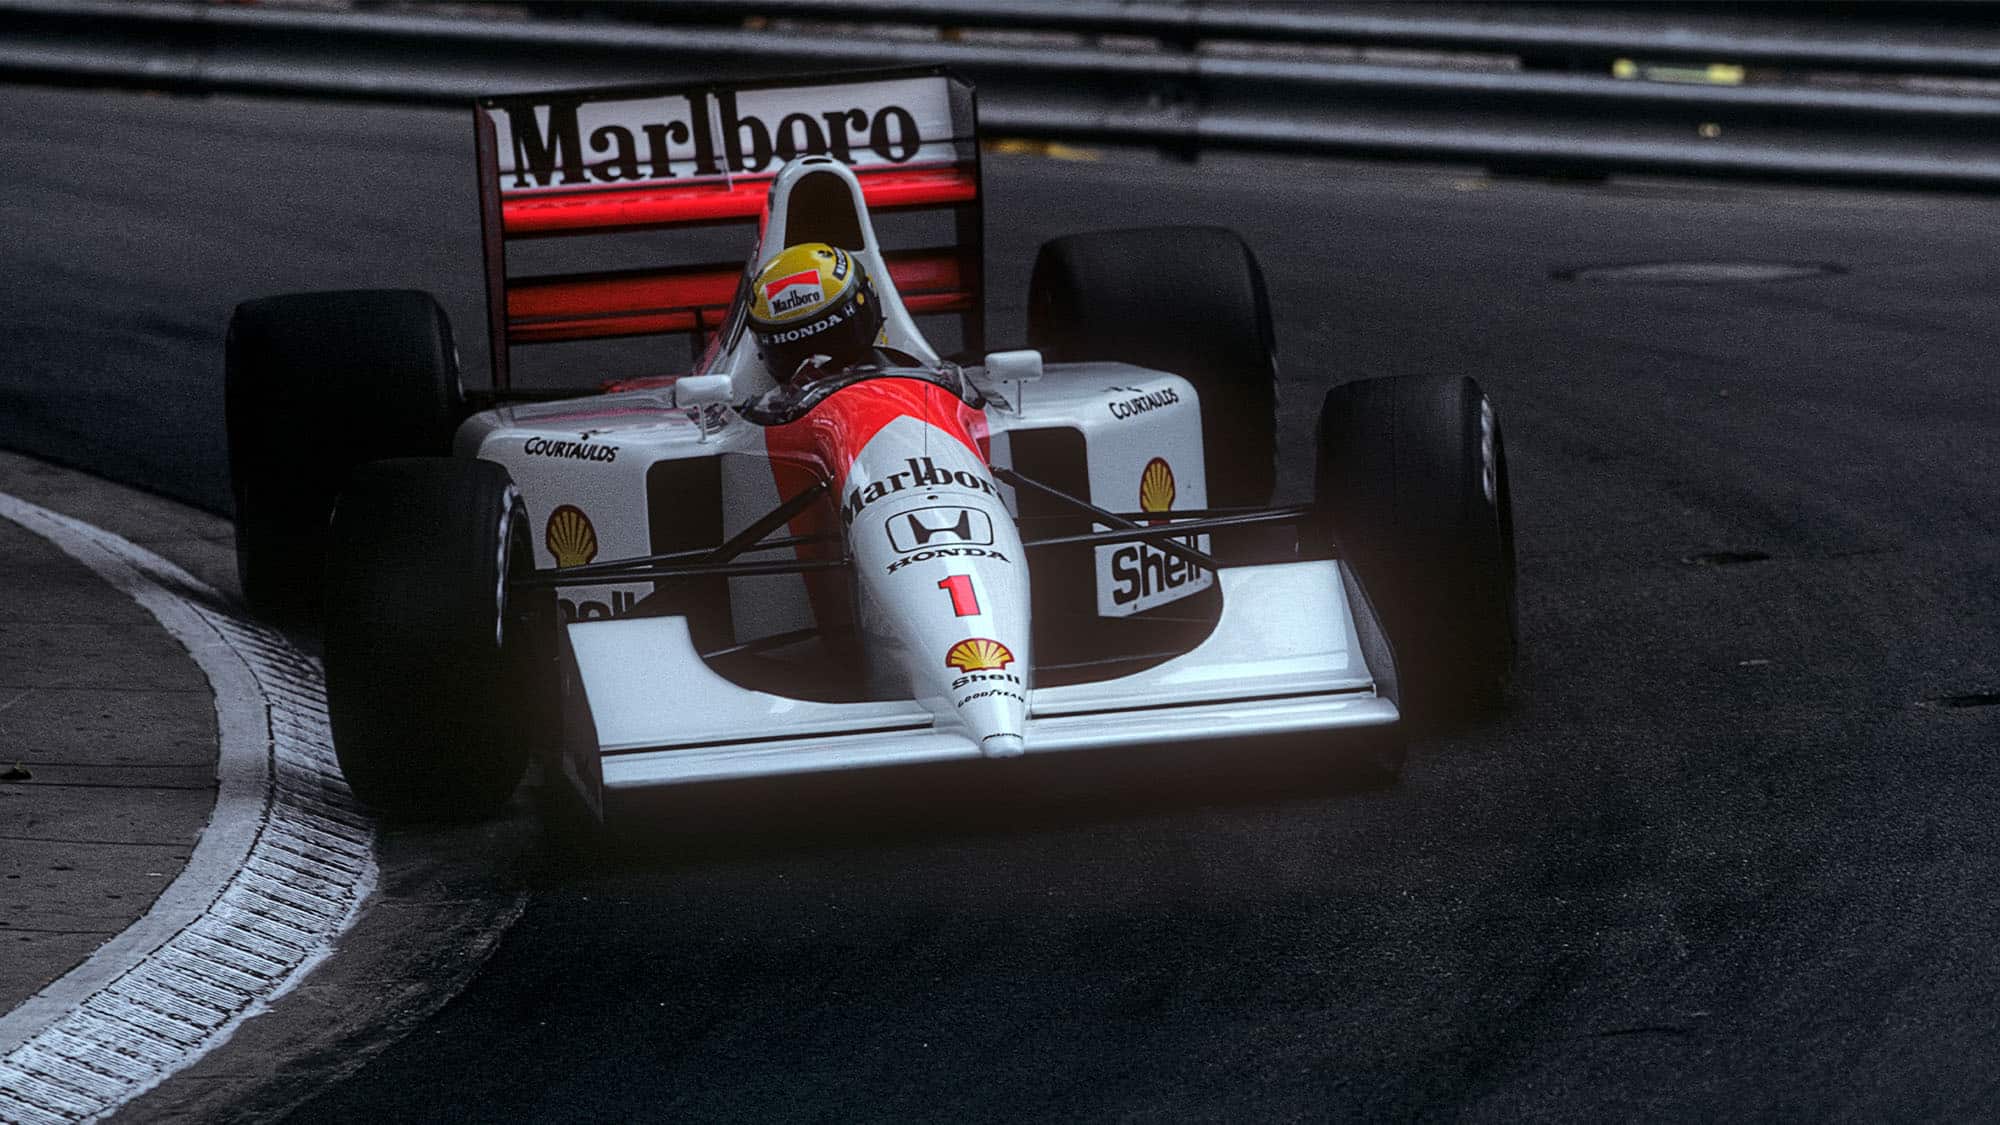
[813, 300]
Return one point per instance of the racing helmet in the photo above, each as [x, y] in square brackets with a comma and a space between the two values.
[813, 300]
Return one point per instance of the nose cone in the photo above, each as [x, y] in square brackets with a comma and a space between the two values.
[988, 691]
[944, 580]
[1003, 746]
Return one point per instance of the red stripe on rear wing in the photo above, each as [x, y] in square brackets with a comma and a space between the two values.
[542, 310]
[618, 160]
[656, 207]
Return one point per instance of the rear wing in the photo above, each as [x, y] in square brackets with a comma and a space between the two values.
[633, 159]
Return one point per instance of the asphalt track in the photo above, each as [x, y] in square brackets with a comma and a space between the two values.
[1730, 855]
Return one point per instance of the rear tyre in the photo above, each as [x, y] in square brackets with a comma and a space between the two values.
[436, 674]
[314, 384]
[1189, 300]
[1412, 484]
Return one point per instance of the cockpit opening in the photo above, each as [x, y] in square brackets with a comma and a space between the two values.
[822, 210]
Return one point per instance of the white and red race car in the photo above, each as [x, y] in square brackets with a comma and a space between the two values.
[716, 575]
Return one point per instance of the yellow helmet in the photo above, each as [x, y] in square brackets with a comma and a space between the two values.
[813, 299]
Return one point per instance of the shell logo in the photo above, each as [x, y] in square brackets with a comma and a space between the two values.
[569, 537]
[1156, 486]
[978, 654]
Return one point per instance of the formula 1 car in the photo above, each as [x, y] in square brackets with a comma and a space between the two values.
[721, 574]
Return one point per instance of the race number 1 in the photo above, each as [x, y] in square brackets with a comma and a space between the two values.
[964, 602]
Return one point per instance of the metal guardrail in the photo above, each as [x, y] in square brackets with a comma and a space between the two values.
[1178, 95]
[1574, 35]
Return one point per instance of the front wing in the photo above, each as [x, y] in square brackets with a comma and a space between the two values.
[1289, 655]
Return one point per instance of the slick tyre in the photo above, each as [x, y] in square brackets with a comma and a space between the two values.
[1412, 488]
[434, 675]
[1189, 300]
[314, 384]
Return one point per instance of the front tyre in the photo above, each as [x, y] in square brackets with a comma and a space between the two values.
[434, 686]
[1412, 486]
[315, 384]
[1187, 300]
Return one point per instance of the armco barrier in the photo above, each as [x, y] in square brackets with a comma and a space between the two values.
[1183, 95]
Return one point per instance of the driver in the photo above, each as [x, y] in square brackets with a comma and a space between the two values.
[815, 313]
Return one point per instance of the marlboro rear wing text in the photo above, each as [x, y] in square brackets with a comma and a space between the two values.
[606, 161]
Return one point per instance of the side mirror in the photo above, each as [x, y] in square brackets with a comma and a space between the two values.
[1022, 366]
[702, 390]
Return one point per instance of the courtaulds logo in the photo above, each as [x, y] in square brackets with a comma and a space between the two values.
[1156, 486]
[978, 654]
[569, 537]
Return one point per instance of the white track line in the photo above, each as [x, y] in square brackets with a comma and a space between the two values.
[279, 873]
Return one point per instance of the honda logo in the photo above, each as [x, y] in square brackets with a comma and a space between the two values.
[935, 527]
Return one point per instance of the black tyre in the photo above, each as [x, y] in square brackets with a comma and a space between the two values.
[315, 384]
[1412, 481]
[1189, 300]
[437, 681]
